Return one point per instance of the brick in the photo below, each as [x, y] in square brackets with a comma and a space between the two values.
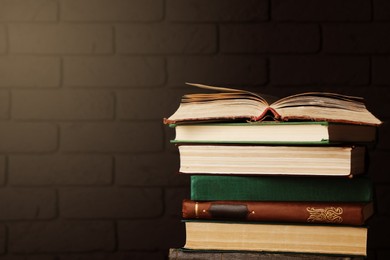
[149, 170]
[4, 104]
[300, 70]
[382, 254]
[111, 10]
[131, 104]
[166, 38]
[173, 201]
[377, 164]
[112, 137]
[60, 38]
[378, 231]
[383, 199]
[24, 204]
[381, 9]
[218, 70]
[356, 38]
[29, 71]
[116, 256]
[384, 137]
[60, 169]
[3, 39]
[380, 70]
[61, 236]
[113, 71]
[111, 203]
[28, 257]
[321, 10]
[62, 104]
[28, 137]
[28, 10]
[151, 234]
[269, 38]
[217, 10]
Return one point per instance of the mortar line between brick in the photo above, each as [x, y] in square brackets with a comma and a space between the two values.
[113, 171]
[370, 70]
[6, 170]
[114, 33]
[116, 236]
[7, 39]
[372, 14]
[320, 39]
[61, 74]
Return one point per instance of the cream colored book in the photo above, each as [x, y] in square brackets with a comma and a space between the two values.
[338, 240]
[272, 160]
[233, 104]
[269, 132]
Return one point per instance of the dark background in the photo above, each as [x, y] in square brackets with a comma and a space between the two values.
[86, 167]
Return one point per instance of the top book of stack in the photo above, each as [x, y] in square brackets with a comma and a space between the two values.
[238, 105]
[237, 116]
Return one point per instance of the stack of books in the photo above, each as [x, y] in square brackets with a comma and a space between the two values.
[286, 177]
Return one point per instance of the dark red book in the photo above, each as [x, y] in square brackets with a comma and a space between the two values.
[344, 213]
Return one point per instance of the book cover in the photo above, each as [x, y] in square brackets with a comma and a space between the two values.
[273, 132]
[281, 188]
[345, 213]
[272, 160]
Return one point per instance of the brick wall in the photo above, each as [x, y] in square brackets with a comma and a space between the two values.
[86, 168]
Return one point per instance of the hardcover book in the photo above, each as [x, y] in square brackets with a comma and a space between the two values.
[281, 188]
[182, 254]
[271, 132]
[272, 160]
[316, 239]
[234, 104]
[346, 213]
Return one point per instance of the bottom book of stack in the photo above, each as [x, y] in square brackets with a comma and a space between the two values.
[245, 236]
[181, 254]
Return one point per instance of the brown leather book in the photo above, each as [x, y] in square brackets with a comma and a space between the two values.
[307, 212]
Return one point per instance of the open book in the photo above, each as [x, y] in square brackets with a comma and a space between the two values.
[233, 104]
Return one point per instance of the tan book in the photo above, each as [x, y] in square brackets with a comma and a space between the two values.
[271, 160]
[233, 104]
[316, 239]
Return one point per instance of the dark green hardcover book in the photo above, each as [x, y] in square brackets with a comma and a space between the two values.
[281, 188]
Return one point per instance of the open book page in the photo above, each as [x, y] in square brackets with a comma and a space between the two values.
[221, 109]
[324, 106]
[221, 93]
[227, 104]
[223, 104]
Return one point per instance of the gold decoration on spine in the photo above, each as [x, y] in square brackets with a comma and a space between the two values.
[196, 210]
[325, 215]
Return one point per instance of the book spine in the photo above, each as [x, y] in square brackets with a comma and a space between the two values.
[276, 188]
[301, 212]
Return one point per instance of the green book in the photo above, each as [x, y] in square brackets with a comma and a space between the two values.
[281, 188]
[274, 132]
